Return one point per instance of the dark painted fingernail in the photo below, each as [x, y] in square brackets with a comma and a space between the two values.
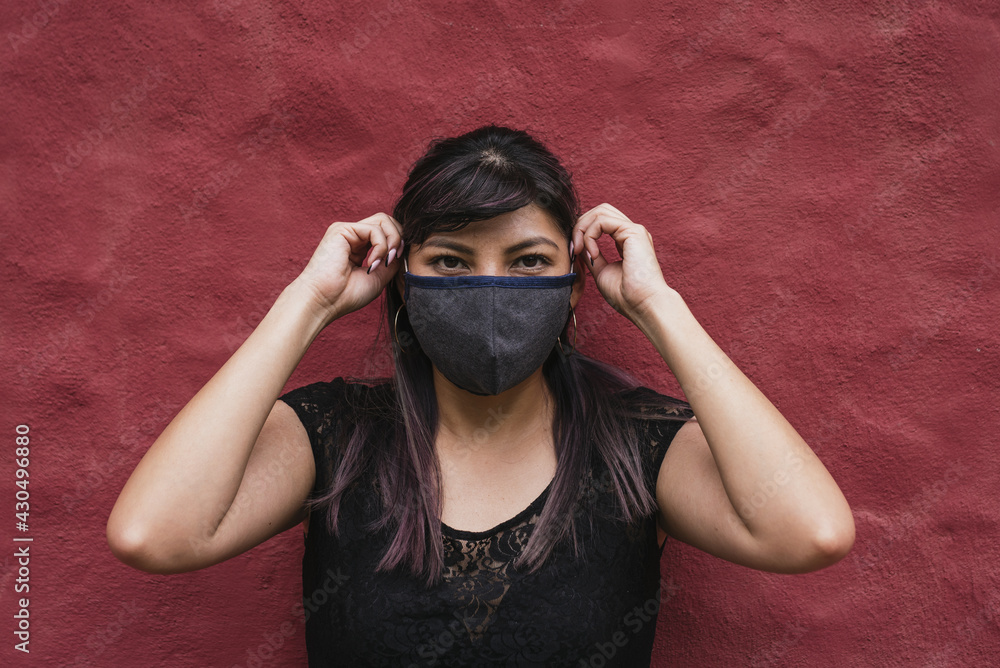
[590, 259]
[373, 265]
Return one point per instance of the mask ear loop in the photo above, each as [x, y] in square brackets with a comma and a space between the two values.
[395, 321]
[395, 331]
[562, 352]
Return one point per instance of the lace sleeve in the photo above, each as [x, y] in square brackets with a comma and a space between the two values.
[660, 418]
[320, 408]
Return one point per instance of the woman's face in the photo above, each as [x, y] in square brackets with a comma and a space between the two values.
[525, 242]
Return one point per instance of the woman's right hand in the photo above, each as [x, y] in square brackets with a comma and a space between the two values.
[337, 275]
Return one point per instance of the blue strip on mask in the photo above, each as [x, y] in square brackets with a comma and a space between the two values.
[451, 282]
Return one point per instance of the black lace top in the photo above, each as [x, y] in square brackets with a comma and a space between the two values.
[596, 610]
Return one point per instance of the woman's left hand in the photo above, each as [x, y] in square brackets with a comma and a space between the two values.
[632, 284]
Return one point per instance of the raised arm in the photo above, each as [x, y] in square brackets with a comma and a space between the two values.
[234, 467]
[179, 510]
[738, 482]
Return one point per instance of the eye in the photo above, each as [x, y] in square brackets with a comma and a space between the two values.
[448, 262]
[535, 261]
[438, 258]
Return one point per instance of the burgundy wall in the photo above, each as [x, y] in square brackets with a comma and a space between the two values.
[821, 182]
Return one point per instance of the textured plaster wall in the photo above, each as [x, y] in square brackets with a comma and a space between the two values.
[821, 180]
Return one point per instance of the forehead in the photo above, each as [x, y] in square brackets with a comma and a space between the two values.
[526, 221]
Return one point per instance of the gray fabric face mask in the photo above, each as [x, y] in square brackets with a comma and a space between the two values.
[486, 334]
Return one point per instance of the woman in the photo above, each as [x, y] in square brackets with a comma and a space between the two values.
[502, 499]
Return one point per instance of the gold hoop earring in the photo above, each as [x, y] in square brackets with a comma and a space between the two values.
[573, 349]
[395, 330]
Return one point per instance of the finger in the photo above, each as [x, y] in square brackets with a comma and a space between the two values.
[580, 234]
[614, 209]
[390, 227]
[389, 262]
[370, 234]
[580, 227]
[598, 263]
[604, 221]
[339, 239]
[380, 248]
[394, 239]
[592, 217]
[396, 224]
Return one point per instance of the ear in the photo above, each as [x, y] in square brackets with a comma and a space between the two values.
[579, 282]
[400, 286]
[400, 283]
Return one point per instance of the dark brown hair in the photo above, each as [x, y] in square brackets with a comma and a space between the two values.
[476, 176]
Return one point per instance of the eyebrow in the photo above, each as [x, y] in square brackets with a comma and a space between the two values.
[462, 248]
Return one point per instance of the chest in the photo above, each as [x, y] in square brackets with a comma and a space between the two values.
[485, 611]
[480, 493]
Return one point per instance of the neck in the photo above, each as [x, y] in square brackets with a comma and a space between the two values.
[505, 424]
